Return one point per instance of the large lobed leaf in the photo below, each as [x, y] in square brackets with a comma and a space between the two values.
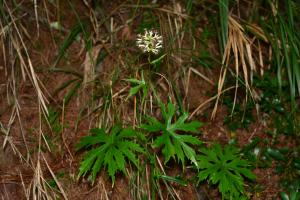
[225, 168]
[174, 144]
[110, 151]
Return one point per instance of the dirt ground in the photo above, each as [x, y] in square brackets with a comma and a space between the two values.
[16, 172]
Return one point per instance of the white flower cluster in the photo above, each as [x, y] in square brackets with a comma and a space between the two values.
[150, 41]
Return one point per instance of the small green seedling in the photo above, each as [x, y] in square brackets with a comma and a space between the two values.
[140, 85]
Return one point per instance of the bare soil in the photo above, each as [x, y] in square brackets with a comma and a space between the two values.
[15, 174]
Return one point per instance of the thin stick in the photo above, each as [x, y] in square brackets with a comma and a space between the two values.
[207, 101]
[162, 169]
[201, 75]
[55, 179]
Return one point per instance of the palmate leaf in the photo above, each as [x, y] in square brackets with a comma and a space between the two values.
[110, 151]
[174, 144]
[225, 168]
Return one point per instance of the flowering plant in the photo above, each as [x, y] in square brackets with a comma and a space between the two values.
[150, 41]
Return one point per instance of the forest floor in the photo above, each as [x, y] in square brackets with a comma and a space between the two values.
[34, 152]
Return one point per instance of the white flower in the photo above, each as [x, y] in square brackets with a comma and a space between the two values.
[150, 41]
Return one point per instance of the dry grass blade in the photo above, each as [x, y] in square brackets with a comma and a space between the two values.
[239, 47]
[258, 31]
[170, 188]
[15, 112]
[38, 187]
[26, 192]
[201, 75]
[6, 131]
[36, 16]
[18, 44]
[55, 179]
[172, 21]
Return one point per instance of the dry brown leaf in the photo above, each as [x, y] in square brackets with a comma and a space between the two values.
[89, 64]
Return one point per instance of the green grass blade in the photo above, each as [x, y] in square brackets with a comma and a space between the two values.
[76, 30]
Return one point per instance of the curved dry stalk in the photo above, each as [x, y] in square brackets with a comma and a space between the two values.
[238, 46]
[207, 101]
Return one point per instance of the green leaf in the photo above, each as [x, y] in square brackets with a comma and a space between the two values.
[158, 59]
[168, 150]
[87, 141]
[190, 153]
[129, 154]
[109, 151]
[189, 127]
[71, 92]
[76, 30]
[97, 166]
[134, 90]
[247, 173]
[225, 168]
[135, 81]
[127, 133]
[189, 139]
[173, 179]
[284, 196]
[174, 145]
[179, 151]
[160, 140]
[274, 153]
[153, 125]
[119, 158]
[131, 145]
[140, 86]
